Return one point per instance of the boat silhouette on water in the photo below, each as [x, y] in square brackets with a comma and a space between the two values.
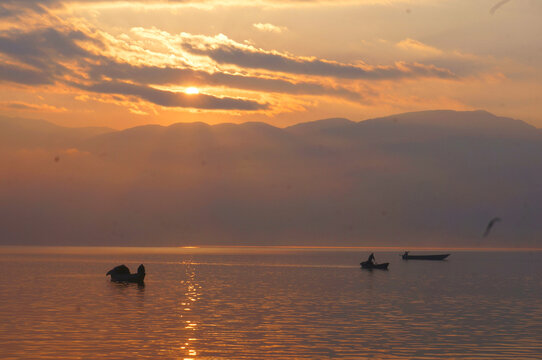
[370, 265]
[121, 273]
[407, 256]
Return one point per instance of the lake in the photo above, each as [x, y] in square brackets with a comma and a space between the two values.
[269, 303]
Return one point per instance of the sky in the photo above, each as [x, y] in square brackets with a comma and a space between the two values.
[121, 64]
[173, 122]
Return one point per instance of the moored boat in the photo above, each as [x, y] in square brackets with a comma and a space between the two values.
[407, 256]
[371, 265]
[121, 273]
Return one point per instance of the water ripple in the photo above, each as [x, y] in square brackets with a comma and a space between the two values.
[261, 306]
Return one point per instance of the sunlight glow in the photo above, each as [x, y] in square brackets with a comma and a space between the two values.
[191, 90]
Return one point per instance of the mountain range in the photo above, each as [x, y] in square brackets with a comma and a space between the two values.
[432, 178]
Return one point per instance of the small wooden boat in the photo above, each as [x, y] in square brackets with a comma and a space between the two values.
[370, 265]
[407, 256]
[121, 273]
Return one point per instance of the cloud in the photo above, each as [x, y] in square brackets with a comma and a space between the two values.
[226, 51]
[44, 55]
[24, 76]
[415, 45]
[48, 55]
[37, 47]
[11, 9]
[173, 99]
[78, 57]
[269, 28]
[191, 77]
[70, 52]
[460, 63]
[44, 4]
[18, 105]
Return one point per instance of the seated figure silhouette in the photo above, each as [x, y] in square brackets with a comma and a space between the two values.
[121, 273]
[371, 264]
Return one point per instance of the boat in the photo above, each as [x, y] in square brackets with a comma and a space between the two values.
[121, 273]
[407, 256]
[371, 265]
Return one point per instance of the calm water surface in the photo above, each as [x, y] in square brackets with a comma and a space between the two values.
[269, 304]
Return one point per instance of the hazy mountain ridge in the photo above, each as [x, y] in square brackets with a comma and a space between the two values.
[313, 137]
[320, 126]
[20, 132]
[447, 122]
[417, 178]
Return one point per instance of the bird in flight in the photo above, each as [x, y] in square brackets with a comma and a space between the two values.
[490, 225]
[497, 6]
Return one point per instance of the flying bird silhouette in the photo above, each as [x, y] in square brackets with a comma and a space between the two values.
[490, 225]
[497, 6]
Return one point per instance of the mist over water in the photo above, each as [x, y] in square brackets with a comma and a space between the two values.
[259, 303]
[433, 178]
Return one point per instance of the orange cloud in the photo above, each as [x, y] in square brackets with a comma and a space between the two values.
[49, 46]
[269, 27]
[411, 44]
[223, 50]
[24, 106]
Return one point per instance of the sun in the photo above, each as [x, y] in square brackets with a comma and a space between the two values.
[191, 90]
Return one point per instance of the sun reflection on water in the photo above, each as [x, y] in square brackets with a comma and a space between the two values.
[192, 293]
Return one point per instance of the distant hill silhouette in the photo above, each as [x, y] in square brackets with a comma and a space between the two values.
[320, 126]
[422, 178]
[20, 132]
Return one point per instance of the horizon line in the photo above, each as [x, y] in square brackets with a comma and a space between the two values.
[97, 249]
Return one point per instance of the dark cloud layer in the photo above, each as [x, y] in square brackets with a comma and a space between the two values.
[273, 61]
[72, 55]
[41, 52]
[191, 77]
[17, 74]
[42, 46]
[174, 99]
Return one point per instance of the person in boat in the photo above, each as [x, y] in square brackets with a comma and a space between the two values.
[371, 259]
[141, 269]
